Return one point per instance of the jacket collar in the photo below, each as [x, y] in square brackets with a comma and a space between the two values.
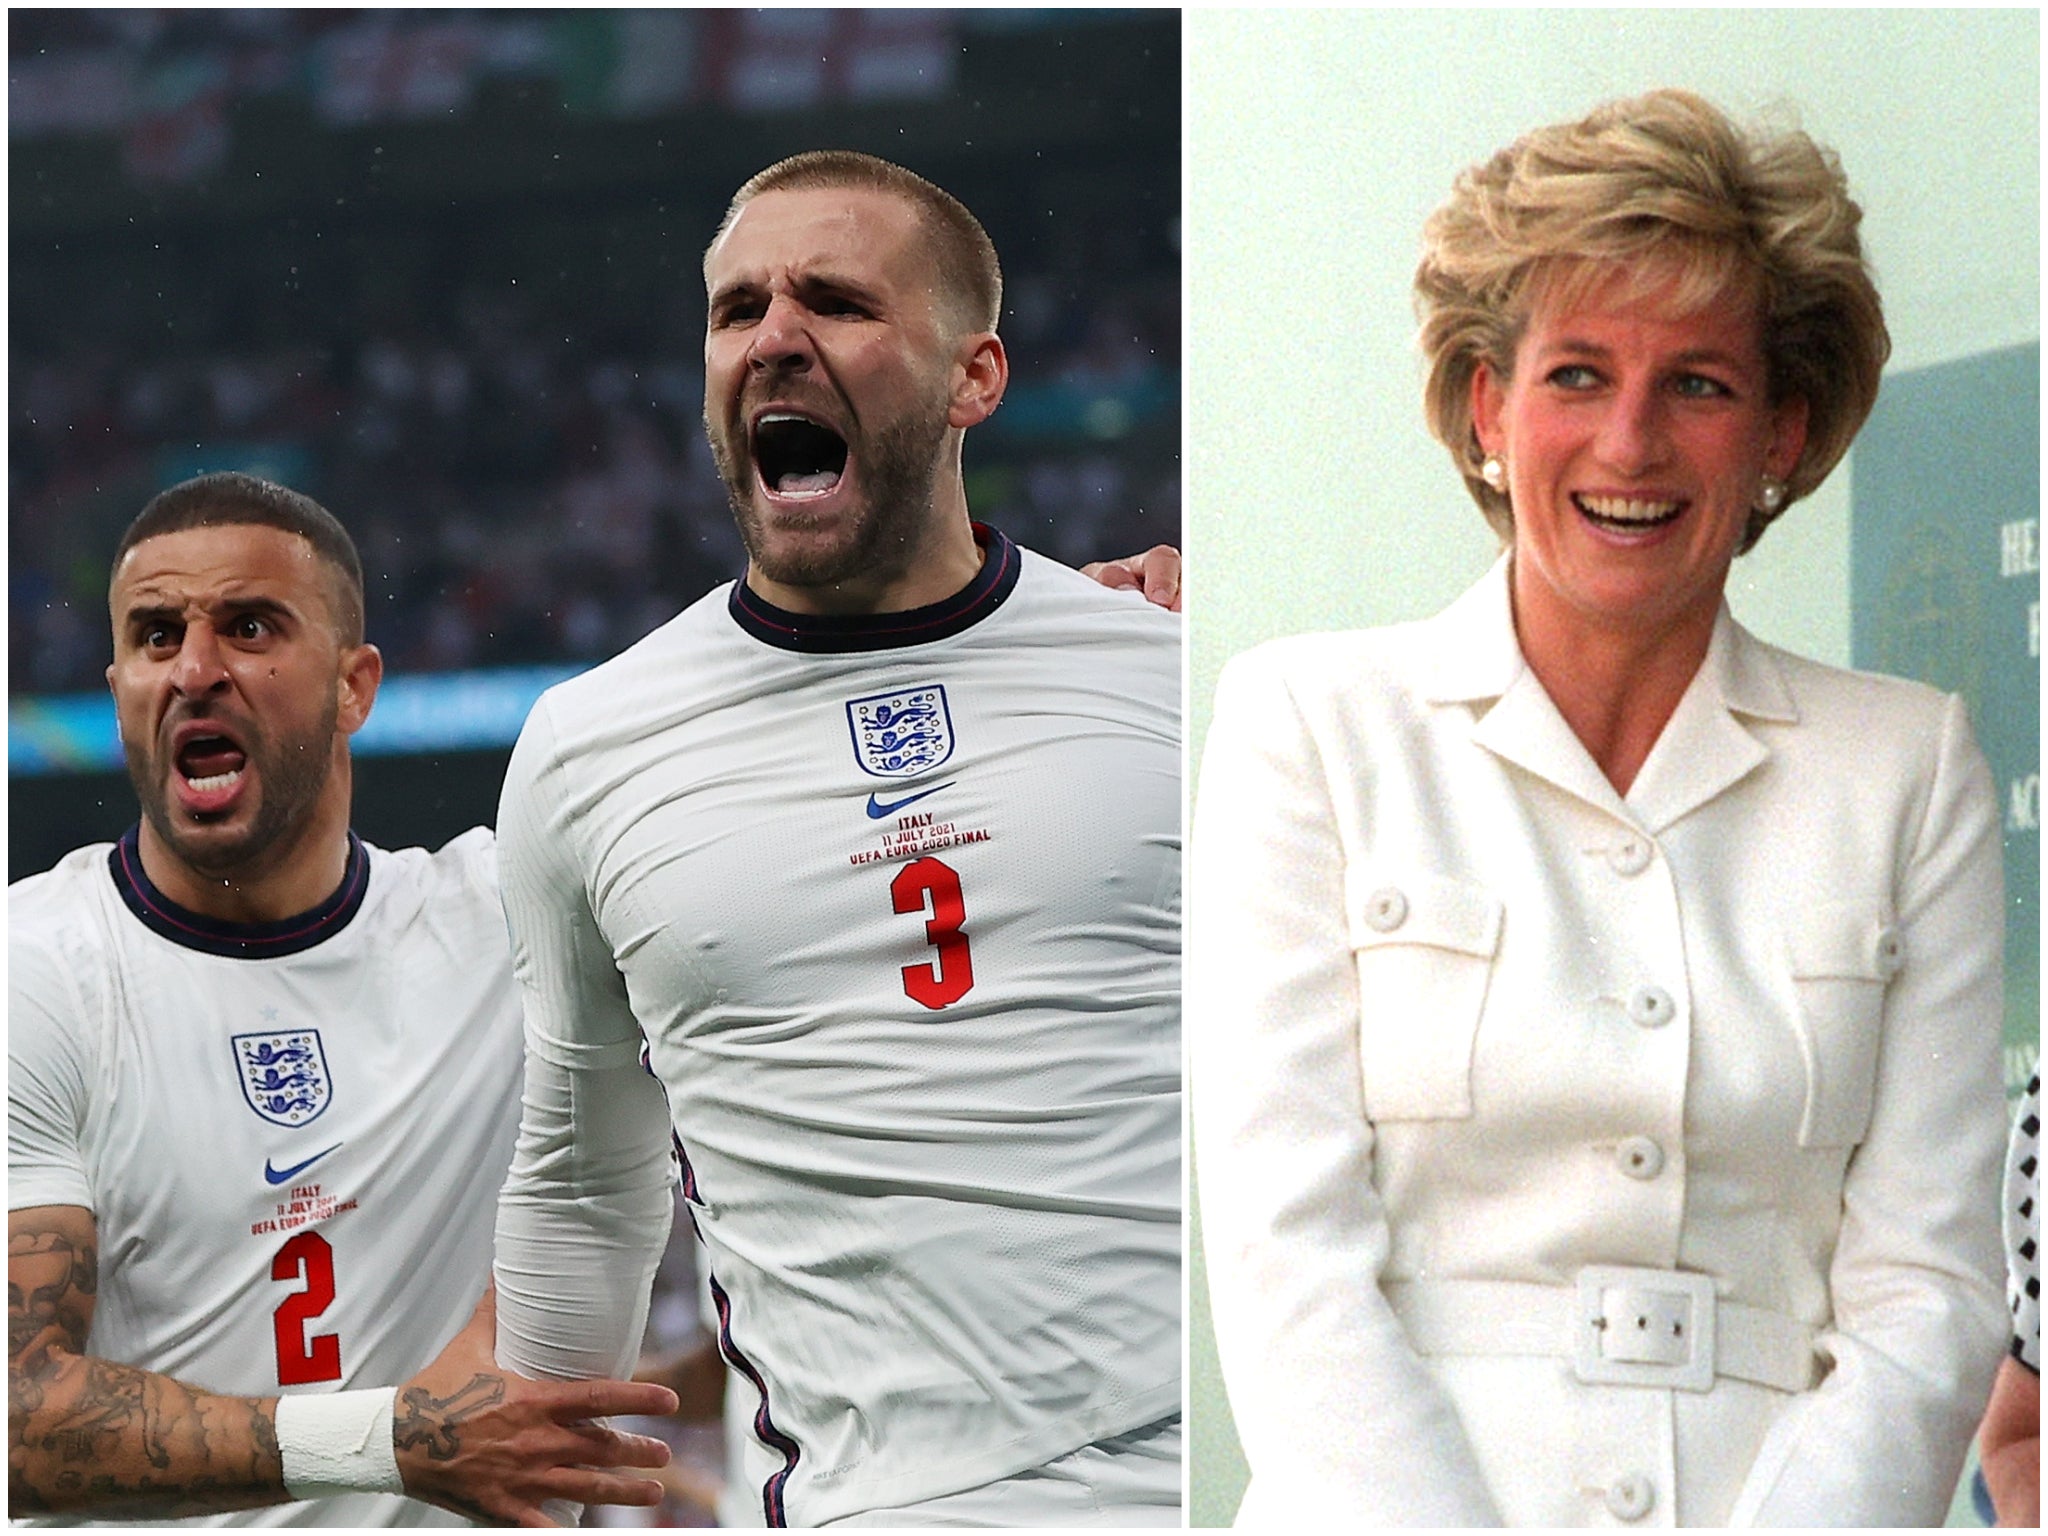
[1473, 658]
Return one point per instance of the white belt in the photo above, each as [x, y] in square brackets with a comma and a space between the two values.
[1617, 1325]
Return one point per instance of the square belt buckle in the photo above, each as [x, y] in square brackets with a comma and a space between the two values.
[1644, 1328]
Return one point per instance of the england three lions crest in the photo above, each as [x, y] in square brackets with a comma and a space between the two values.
[284, 1075]
[899, 735]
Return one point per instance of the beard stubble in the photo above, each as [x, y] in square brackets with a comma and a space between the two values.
[899, 474]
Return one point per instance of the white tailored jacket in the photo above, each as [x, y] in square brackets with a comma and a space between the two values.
[1461, 1013]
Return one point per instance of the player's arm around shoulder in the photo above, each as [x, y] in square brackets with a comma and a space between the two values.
[1156, 573]
[90, 1434]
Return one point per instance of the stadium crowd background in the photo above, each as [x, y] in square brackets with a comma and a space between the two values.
[441, 270]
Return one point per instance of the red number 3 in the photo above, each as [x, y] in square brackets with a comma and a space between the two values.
[300, 1359]
[924, 882]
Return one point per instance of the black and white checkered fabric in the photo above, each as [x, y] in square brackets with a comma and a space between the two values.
[2023, 1228]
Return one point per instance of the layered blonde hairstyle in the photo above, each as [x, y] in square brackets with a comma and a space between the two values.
[1666, 190]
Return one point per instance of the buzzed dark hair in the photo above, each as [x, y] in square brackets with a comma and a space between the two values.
[969, 276]
[231, 499]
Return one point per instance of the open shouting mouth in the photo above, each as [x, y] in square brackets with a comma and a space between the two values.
[797, 457]
[209, 762]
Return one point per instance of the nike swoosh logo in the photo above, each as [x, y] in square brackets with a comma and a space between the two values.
[285, 1175]
[878, 809]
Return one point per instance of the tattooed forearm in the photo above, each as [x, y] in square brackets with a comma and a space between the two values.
[90, 1434]
[52, 1281]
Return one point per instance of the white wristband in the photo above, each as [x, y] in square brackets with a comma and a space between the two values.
[338, 1442]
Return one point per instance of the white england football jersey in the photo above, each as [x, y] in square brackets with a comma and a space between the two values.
[895, 901]
[291, 1135]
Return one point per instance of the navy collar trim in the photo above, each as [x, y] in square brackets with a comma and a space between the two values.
[818, 634]
[236, 941]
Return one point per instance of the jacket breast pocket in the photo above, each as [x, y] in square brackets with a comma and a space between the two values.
[1844, 955]
[1424, 945]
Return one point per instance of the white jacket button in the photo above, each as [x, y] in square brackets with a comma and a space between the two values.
[1386, 909]
[1631, 1497]
[1640, 1158]
[1631, 856]
[1652, 1007]
[1891, 953]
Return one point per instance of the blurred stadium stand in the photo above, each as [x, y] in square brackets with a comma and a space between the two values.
[441, 270]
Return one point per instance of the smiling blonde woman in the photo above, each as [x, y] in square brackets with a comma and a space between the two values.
[1596, 1009]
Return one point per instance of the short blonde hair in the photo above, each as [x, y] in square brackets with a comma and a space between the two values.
[965, 270]
[1665, 186]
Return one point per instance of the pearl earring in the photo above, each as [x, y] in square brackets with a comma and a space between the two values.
[1770, 496]
[1494, 472]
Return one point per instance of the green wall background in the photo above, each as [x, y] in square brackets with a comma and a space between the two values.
[1317, 142]
[1946, 587]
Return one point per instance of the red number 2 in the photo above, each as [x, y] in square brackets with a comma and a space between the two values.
[300, 1359]
[949, 980]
